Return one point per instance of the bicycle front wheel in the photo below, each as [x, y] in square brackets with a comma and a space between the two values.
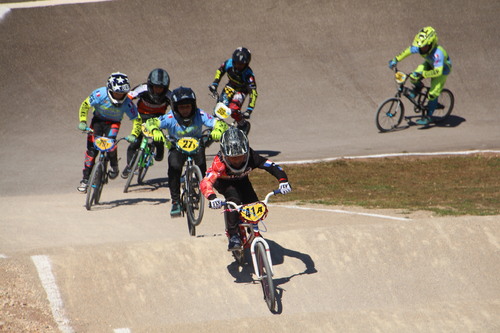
[133, 169]
[94, 185]
[195, 201]
[446, 101]
[266, 276]
[389, 114]
[145, 162]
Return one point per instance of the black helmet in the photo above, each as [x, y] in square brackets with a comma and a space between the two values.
[158, 77]
[242, 55]
[234, 143]
[183, 95]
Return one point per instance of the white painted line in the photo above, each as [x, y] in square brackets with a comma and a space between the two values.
[469, 152]
[33, 4]
[4, 10]
[44, 268]
[344, 212]
[122, 330]
[3, 256]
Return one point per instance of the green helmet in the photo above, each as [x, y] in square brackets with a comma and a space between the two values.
[426, 36]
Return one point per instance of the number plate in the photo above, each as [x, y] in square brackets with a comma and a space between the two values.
[104, 144]
[188, 144]
[254, 212]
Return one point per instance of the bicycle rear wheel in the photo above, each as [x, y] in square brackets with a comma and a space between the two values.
[133, 168]
[446, 101]
[195, 201]
[389, 114]
[94, 185]
[266, 276]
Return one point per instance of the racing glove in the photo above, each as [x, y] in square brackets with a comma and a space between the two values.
[393, 63]
[219, 128]
[285, 188]
[215, 203]
[82, 126]
[415, 76]
[158, 135]
[213, 87]
[131, 138]
[247, 113]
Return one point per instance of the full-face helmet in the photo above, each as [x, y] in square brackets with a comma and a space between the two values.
[118, 83]
[158, 77]
[426, 37]
[183, 96]
[241, 58]
[235, 150]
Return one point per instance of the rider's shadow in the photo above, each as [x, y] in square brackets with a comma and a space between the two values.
[278, 253]
[268, 153]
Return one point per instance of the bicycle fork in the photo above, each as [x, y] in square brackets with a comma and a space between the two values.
[254, 257]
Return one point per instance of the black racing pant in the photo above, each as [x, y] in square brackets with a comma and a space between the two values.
[176, 161]
[240, 191]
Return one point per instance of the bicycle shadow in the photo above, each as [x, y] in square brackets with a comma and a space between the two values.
[278, 253]
[450, 122]
[149, 185]
[129, 202]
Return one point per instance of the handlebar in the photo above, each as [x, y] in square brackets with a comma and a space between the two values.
[234, 206]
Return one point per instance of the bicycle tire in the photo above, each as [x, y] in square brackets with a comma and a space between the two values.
[446, 101]
[104, 180]
[135, 161]
[266, 278]
[195, 201]
[93, 184]
[146, 162]
[389, 114]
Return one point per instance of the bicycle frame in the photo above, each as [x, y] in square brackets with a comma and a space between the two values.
[225, 110]
[420, 98]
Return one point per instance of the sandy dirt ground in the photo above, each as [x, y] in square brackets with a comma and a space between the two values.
[321, 69]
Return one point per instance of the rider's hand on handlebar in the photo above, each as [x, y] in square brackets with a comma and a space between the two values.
[82, 126]
[213, 87]
[131, 138]
[215, 203]
[393, 63]
[247, 113]
[285, 188]
[158, 136]
[415, 76]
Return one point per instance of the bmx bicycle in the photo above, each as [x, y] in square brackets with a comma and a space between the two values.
[99, 174]
[250, 233]
[192, 200]
[142, 159]
[391, 112]
[224, 110]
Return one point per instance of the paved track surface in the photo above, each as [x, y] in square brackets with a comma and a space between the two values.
[321, 68]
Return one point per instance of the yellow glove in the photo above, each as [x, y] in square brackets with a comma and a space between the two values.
[152, 124]
[219, 128]
[158, 135]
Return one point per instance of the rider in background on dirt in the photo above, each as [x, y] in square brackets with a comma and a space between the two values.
[184, 120]
[229, 176]
[437, 67]
[109, 105]
[153, 101]
[242, 79]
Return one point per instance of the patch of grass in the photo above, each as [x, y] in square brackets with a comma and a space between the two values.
[448, 185]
